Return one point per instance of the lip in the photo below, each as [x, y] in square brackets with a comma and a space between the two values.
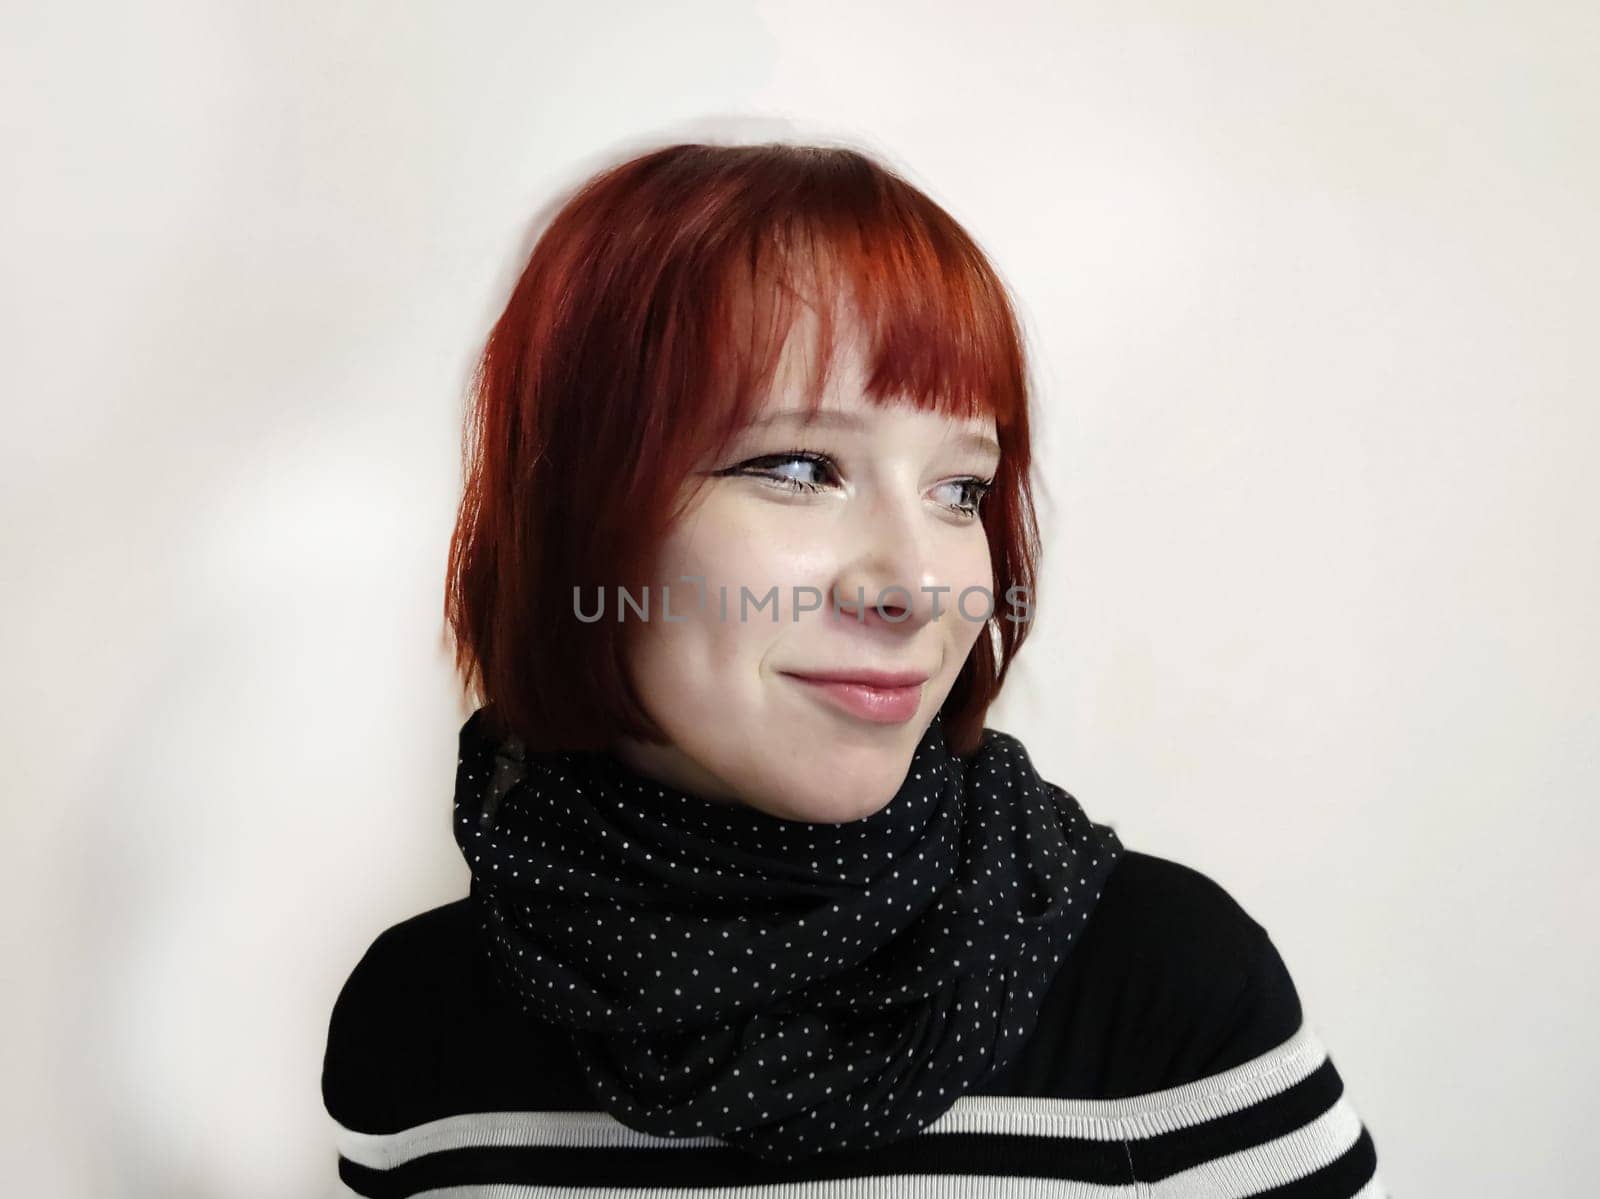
[876, 696]
[864, 678]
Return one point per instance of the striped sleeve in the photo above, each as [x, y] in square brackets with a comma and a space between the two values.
[1268, 1115]
[1279, 1124]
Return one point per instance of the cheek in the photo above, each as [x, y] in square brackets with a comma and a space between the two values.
[705, 648]
[689, 654]
[745, 548]
[973, 569]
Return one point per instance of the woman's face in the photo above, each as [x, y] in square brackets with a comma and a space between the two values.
[862, 526]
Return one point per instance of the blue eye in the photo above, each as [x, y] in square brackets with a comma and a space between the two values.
[764, 468]
[767, 467]
[977, 489]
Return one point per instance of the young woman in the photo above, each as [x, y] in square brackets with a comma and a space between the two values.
[757, 900]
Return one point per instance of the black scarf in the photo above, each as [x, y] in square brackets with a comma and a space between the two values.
[786, 987]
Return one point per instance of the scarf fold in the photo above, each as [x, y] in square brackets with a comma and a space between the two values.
[786, 987]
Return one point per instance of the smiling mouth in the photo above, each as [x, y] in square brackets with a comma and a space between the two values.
[868, 696]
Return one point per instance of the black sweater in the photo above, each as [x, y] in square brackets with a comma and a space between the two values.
[1172, 1058]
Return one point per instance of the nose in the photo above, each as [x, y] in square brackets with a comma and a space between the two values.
[890, 575]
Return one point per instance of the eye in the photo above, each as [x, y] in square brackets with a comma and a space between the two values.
[976, 489]
[772, 467]
[768, 467]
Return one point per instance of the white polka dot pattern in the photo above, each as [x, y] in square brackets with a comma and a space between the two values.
[788, 987]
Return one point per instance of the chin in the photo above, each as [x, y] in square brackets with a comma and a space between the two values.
[834, 815]
[848, 802]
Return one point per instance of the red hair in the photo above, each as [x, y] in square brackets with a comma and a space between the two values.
[642, 333]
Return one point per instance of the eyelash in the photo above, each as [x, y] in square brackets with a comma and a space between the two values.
[980, 486]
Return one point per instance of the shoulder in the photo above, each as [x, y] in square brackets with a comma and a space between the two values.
[420, 1030]
[379, 1006]
[401, 969]
[1170, 981]
[1161, 916]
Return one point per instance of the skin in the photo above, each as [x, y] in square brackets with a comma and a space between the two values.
[887, 511]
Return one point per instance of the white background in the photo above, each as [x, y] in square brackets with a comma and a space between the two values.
[1312, 294]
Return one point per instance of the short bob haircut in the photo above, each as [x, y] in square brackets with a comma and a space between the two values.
[641, 335]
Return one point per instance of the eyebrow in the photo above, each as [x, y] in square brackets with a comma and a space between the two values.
[849, 420]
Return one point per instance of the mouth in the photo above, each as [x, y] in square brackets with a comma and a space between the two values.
[879, 697]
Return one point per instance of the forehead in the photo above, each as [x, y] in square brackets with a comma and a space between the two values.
[845, 402]
[856, 414]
